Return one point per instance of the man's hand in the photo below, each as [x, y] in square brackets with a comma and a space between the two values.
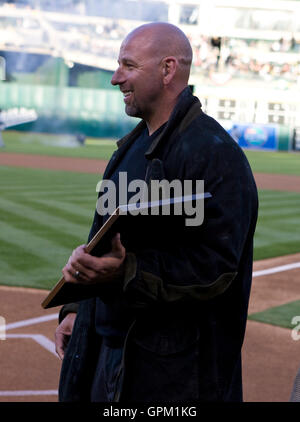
[87, 269]
[63, 333]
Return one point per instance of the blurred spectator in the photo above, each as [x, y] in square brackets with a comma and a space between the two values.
[234, 58]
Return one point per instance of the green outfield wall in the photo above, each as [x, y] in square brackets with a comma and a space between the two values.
[89, 111]
[94, 112]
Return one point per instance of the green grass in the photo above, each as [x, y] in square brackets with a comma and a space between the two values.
[274, 162]
[44, 215]
[278, 226]
[36, 143]
[280, 315]
[47, 144]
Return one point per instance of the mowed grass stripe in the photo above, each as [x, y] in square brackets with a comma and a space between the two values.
[62, 191]
[282, 213]
[269, 235]
[284, 203]
[272, 193]
[38, 246]
[19, 267]
[38, 235]
[285, 223]
[273, 249]
[67, 190]
[84, 200]
[276, 196]
[46, 179]
[44, 231]
[40, 276]
[81, 196]
[89, 204]
[41, 221]
[278, 226]
[63, 209]
[18, 257]
[279, 162]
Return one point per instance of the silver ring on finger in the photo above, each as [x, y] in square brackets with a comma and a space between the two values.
[77, 275]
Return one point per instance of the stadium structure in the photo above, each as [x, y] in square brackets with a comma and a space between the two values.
[57, 58]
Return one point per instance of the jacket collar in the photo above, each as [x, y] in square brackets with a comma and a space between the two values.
[185, 110]
[187, 107]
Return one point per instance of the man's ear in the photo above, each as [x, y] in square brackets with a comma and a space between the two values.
[169, 69]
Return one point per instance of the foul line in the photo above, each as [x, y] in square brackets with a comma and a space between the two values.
[29, 393]
[276, 269]
[31, 321]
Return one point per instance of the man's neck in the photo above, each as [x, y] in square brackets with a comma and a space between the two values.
[163, 111]
[153, 128]
[162, 115]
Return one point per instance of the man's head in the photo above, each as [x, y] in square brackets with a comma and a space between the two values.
[154, 67]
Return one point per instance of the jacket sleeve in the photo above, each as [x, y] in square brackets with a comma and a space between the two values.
[67, 309]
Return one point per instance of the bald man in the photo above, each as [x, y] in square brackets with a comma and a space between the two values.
[154, 68]
[169, 319]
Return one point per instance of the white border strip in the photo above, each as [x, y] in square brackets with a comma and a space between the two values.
[31, 321]
[276, 269]
[29, 393]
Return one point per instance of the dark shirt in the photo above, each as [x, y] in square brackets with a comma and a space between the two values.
[113, 319]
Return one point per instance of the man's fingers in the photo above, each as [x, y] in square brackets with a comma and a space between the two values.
[116, 245]
[85, 272]
[86, 263]
[80, 250]
[60, 352]
[85, 268]
[77, 274]
[63, 333]
[59, 344]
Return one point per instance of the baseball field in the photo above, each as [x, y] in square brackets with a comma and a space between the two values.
[47, 201]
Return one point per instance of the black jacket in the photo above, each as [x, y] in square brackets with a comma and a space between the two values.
[189, 292]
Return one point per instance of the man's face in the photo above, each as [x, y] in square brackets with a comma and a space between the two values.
[139, 76]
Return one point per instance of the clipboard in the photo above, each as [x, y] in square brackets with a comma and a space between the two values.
[125, 216]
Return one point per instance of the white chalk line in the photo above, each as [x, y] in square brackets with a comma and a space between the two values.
[278, 269]
[29, 393]
[39, 338]
[50, 347]
[31, 321]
